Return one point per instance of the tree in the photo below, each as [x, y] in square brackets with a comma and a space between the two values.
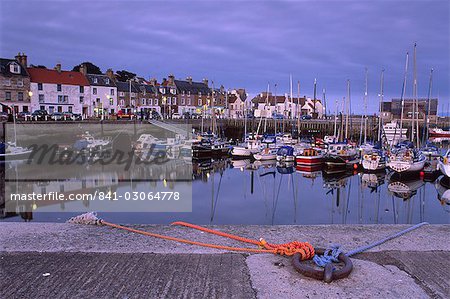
[124, 75]
[91, 68]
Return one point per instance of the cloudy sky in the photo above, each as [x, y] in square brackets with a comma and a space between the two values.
[243, 43]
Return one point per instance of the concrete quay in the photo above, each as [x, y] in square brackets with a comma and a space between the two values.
[58, 260]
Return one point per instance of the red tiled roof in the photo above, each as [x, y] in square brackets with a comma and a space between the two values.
[40, 75]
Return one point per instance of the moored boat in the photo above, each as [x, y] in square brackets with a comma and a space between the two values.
[444, 164]
[339, 155]
[374, 161]
[309, 157]
[265, 154]
[406, 160]
[285, 154]
[438, 132]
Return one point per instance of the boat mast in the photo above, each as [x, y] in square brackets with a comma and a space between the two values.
[298, 108]
[365, 110]
[324, 102]
[276, 112]
[347, 108]
[426, 124]
[416, 115]
[380, 123]
[414, 132]
[291, 101]
[335, 119]
[315, 90]
[402, 99]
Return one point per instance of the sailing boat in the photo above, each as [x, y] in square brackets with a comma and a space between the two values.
[374, 159]
[444, 164]
[9, 150]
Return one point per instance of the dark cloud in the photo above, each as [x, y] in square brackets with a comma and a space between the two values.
[241, 43]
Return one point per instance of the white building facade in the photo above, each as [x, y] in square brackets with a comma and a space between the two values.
[55, 90]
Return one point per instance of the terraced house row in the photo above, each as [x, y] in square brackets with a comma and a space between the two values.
[27, 88]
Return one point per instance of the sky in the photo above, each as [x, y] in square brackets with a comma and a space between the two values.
[244, 44]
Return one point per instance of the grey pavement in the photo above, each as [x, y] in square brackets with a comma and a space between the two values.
[48, 260]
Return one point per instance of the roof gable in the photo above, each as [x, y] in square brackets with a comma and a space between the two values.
[5, 67]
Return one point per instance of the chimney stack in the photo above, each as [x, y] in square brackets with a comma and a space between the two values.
[171, 79]
[58, 67]
[22, 59]
[189, 79]
[110, 74]
[205, 81]
[83, 69]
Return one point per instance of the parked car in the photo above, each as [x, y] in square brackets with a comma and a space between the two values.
[155, 115]
[71, 116]
[124, 115]
[176, 116]
[3, 116]
[39, 114]
[57, 116]
[186, 115]
[277, 116]
[304, 117]
[23, 115]
[196, 115]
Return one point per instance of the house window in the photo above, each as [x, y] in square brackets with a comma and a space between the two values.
[39, 86]
[174, 101]
[107, 80]
[150, 102]
[95, 80]
[156, 102]
[60, 99]
[14, 68]
[112, 92]
[121, 94]
[143, 101]
[94, 90]
[122, 102]
[111, 102]
[41, 98]
[189, 101]
[173, 91]
[81, 100]
[199, 102]
[168, 101]
[19, 82]
[8, 96]
[20, 96]
[58, 87]
[183, 101]
[7, 82]
[66, 99]
[98, 100]
[81, 89]
[70, 109]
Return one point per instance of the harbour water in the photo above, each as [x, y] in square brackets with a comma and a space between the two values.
[241, 192]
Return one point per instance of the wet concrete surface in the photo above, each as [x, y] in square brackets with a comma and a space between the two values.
[100, 262]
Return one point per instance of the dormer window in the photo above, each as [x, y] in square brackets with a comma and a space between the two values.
[107, 80]
[14, 68]
[173, 91]
[162, 90]
[95, 80]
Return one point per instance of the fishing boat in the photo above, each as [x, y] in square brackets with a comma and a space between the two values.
[247, 149]
[374, 161]
[340, 155]
[430, 151]
[392, 132]
[406, 160]
[438, 132]
[10, 151]
[265, 154]
[309, 157]
[285, 154]
[444, 164]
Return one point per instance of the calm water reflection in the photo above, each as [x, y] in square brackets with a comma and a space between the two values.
[240, 192]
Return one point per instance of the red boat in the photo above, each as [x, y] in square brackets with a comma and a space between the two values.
[437, 132]
[309, 156]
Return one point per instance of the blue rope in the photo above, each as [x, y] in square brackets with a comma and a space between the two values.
[332, 253]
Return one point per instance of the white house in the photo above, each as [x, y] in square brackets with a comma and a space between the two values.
[308, 107]
[237, 103]
[102, 96]
[56, 90]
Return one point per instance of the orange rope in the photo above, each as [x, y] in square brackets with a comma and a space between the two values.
[305, 249]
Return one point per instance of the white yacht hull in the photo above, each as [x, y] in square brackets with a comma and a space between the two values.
[405, 166]
[444, 168]
[238, 151]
